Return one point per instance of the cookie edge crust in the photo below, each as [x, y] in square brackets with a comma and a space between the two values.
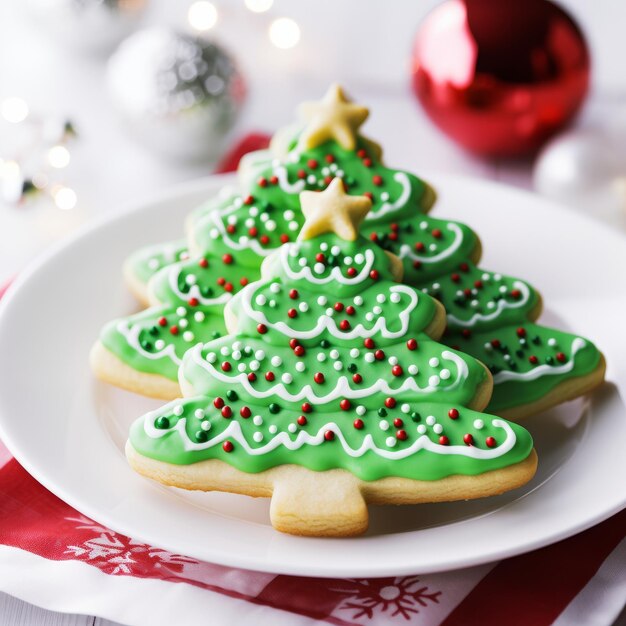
[111, 369]
[563, 392]
[332, 503]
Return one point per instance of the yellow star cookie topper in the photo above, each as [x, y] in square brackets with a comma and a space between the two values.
[333, 211]
[333, 117]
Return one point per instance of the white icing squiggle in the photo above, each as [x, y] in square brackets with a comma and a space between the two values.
[250, 243]
[541, 370]
[406, 250]
[325, 322]
[335, 273]
[194, 290]
[502, 304]
[387, 207]
[285, 185]
[131, 334]
[233, 431]
[342, 388]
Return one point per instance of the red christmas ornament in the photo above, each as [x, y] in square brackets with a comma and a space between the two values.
[500, 77]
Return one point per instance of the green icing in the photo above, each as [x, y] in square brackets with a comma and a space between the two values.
[200, 430]
[145, 341]
[147, 261]
[514, 354]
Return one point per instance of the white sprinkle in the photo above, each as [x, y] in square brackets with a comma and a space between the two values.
[275, 287]
[354, 353]
[421, 429]
[390, 441]
[334, 354]
[369, 316]
[293, 226]
[183, 323]
[413, 370]
[433, 381]
[424, 225]
[254, 365]
[369, 357]
[224, 350]
[383, 425]
[430, 420]
[395, 297]
[488, 347]
[273, 428]
[552, 342]
[503, 289]
[181, 311]
[303, 306]
[236, 354]
[258, 437]
[432, 247]
[358, 300]
[405, 408]
[287, 378]
[361, 410]
[270, 225]
[249, 222]
[321, 357]
[292, 428]
[272, 304]
[288, 215]
[359, 258]
[444, 374]
[384, 196]
[335, 250]
[254, 211]
[302, 262]
[259, 354]
[380, 298]
[205, 425]
[211, 357]
[338, 365]
[330, 312]
[261, 300]
[347, 260]
[318, 268]
[393, 360]
[300, 366]
[478, 424]
[322, 300]
[159, 344]
[190, 279]
[257, 420]
[377, 310]
[242, 367]
[276, 361]
[264, 217]
[198, 316]
[438, 428]
[311, 179]
[199, 413]
[178, 410]
[434, 362]
[214, 233]
[323, 246]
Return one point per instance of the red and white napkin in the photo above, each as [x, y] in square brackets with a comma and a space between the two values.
[53, 556]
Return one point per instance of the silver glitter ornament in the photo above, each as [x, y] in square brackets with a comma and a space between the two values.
[179, 94]
[94, 25]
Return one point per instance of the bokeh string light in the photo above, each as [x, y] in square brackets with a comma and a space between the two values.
[34, 161]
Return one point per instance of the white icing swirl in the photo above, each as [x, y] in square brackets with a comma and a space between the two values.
[542, 370]
[407, 250]
[341, 390]
[131, 334]
[387, 207]
[233, 431]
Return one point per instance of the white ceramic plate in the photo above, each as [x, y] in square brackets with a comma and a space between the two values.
[68, 430]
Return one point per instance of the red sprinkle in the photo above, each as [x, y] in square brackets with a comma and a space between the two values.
[312, 163]
[491, 442]
[377, 180]
[302, 420]
[398, 423]
[516, 293]
[293, 343]
[193, 301]
[367, 162]
[437, 233]
[330, 158]
[261, 328]
[521, 332]
[401, 435]
[221, 281]
[374, 274]
[453, 414]
[344, 325]
[390, 402]
[253, 232]
[338, 306]
[262, 182]
[320, 257]
[468, 439]
[162, 321]
[264, 239]
[358, 423]
[174, 330]
[227, 412]
[443, 440]
[361, 153]
[411, 344]
[292, 313]
[350, 310]
[351, 272]
[284, 238]
[396, 370]
[248, 200]
[251, 377]
[243, 281]
[533, 359]
[226, 366]
[357, 378]
[245, 412]
[203, 262]
[379, 355]
[306, 407]
[227, 258]
[561, 357]
[345, 405]
[369, 343]
[301, 174]
[293, 294]
[228, 287]
[370, 195]
[218, 403]
[318, 378]
[299, 351]
[269, 376]
[329, 435]
[228, 446]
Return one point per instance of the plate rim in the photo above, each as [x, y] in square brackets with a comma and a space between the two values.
[252, 562]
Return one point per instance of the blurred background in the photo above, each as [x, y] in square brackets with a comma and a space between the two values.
[105, 103]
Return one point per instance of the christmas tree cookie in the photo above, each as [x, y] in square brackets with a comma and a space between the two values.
[331, 391]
